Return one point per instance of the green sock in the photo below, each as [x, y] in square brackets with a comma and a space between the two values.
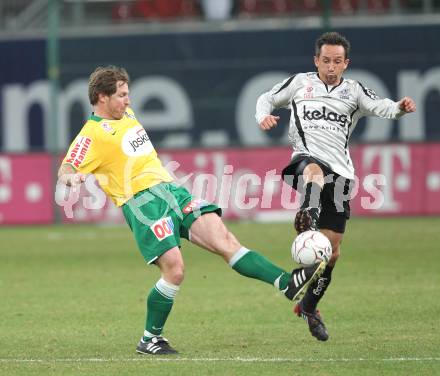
[159, 304]
[253, 265]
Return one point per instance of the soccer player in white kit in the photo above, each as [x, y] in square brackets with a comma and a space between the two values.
[325, 108]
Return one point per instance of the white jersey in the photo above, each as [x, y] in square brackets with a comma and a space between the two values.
[323, 117]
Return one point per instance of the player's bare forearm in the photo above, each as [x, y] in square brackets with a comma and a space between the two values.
[69, 176]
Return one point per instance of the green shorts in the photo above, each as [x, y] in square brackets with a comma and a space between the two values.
[159, 216]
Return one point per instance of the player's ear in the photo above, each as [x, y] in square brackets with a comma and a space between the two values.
[346, 62]
[101, 97]
[316, 60]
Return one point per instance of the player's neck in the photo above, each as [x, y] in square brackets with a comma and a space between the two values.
[99, 112]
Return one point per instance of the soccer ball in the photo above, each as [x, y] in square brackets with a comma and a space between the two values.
[311, 247]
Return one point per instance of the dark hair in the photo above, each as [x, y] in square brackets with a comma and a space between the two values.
[103, 81]
[334, 39]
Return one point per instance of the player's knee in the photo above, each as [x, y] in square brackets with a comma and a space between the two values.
[313, 173]
[174, 272]
[313, 169]
[176, 275]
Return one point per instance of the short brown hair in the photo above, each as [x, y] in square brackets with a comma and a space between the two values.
[103, 81]
[334, 39]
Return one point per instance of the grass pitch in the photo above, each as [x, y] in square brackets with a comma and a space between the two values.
[72, 302]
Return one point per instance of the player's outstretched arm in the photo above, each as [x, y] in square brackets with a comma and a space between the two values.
[269, 122]
[69, 176]
[407, 104]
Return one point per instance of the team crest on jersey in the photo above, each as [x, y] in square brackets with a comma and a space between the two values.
[136, 142]
[79, 151]
[108, 128]
[344, 94]
[163, 228]
[308, 94]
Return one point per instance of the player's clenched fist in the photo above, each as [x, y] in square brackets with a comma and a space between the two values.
[73, 180]
[69, 176]
[407, 104]
[269, 122]
[78, 179]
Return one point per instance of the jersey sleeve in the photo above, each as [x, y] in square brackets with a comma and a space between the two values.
[371, 104]
[83, 153]
[278, 97]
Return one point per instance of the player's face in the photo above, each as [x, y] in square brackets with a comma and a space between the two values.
[116, 104]
[331, 64]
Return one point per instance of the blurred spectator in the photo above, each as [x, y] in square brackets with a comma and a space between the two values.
[156, 9]
[266, 7]
[378, 6]
[225, 9]
[160, 9]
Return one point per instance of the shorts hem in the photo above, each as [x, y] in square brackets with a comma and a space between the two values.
[190, 218]
[151, 260]
[333, 221]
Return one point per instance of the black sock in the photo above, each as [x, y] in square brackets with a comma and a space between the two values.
[316, 290]
[311, 195]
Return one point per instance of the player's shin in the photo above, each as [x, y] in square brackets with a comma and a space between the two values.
[253, 265]
[308, 216]
[159, 304]
[317, 290]
[311, 195]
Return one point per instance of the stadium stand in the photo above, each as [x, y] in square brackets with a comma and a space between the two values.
[18, 15]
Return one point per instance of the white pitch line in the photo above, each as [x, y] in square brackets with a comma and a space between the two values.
[238, 359]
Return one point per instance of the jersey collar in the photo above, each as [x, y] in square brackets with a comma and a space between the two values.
[326, 86]
[95, 118]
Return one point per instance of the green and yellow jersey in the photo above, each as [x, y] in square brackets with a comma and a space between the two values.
[120, 155]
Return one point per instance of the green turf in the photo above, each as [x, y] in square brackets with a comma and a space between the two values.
[72, 302]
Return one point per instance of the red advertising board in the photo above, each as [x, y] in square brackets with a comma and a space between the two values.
[391, 179]
[410, 177]
[26, 189]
